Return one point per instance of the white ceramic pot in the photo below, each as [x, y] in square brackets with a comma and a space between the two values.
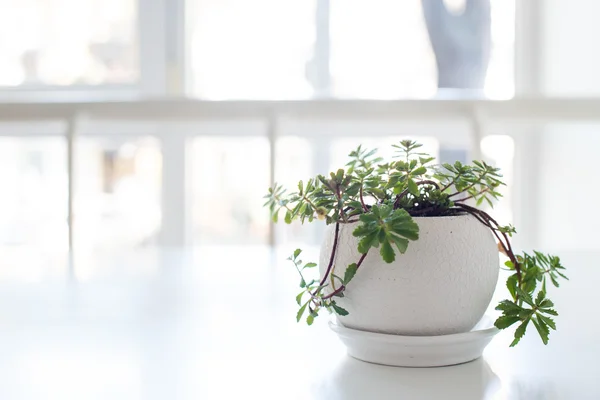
[442, 285]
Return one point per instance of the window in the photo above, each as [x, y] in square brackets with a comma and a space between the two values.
[380, 49]
[117, 199]
[68, 42]
[33, 205]
[257, 49]
[229, 179]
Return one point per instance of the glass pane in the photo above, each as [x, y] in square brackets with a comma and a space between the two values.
[293, 162]
[33, 204]
[118, 185]
[251, 49]
[567, 187]
[230, 178]
[383, 48]
[66, 42]
[499, 151]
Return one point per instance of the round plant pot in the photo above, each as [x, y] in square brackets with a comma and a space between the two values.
[442, 285]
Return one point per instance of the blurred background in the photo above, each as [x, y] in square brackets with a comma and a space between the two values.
[134, 124]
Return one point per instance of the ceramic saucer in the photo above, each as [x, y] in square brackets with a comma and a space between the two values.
[417, 351]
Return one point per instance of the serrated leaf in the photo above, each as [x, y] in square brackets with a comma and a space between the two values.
[339, 310]
[387, 252]
[365, 243]
[547, 303]
[505, 321]
[519, 332]
[508, 307]
[524, 296]
[542, 329]
[299, 298]
[549, 321]
[401, 243]
[511, 285]
[350, 272]
[540, 297]
[301, 312]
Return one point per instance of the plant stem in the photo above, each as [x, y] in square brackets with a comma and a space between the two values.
[332, 257]
[449, 184]
[470, 186]
[362, 201]
[485, 219]
[343, 287]
[470, 197]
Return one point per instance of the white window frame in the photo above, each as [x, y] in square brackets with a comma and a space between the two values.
[163, 73]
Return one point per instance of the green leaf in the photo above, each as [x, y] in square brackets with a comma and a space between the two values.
[300, 188]
[547, 303]
[519, 332]
[425, 160]
[310, 265]
[524, 296]
[310, 319]
[301, 311]
[548, 321]
[542, 329]
[413, 188]
[549, 311]
[387, 252]
[302, 208]
[288, 217]
[297, 252]
[505, 321]
[365, 243]
[419, 171]
[299, 298]
[511, 284]
[540, 297]
[350, 272]
[339, 310]
[401, 244]
[508, 307]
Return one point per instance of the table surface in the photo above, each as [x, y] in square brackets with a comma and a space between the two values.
[219, 323]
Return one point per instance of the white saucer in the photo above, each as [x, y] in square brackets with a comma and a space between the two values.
[417, 351]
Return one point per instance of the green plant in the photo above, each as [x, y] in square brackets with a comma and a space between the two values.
[383, 198]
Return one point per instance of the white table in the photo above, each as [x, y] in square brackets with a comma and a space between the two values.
[174, 324]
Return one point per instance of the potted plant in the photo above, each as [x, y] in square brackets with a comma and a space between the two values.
[407, 251]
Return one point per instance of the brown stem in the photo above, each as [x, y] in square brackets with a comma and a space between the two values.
[487, 220]
[468, 187]
[343, 287]
[362, 201]
[332, 257]
[449, 184]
